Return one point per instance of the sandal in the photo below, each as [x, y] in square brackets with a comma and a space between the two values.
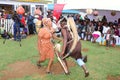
[39, 65]
[48, 72]
[67, 73]
[86, 74]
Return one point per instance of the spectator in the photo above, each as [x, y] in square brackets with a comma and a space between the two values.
[30, 23]
[8, 16]
[16, 19]
[104, 19]
[119, 29]
[99, 26]
[108, 35]
[116, 36]
[23, 35]
[22, 20]
[2, 28]
[96, 34]
[112, 33]
[84, 30]
[105, 29]
[3, 32]
[90, 30]
[37, 23]
[102, 40]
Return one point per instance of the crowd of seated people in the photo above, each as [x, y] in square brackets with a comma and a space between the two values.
[106, 33]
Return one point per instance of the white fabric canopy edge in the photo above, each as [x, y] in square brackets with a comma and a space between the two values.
[93, 4]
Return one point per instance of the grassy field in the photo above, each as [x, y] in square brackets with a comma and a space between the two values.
[102, 61]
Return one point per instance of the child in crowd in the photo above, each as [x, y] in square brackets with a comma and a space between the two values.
[37, 23]
[2, 28]
[102, 40]
[3, 32]
[108, 36]
[23, 35]
[96, 34]
[112, 33]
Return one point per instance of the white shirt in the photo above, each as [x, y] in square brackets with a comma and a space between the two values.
[105, 29]
[55, 27]
[107, 36]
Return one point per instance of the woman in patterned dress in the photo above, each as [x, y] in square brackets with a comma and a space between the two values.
[45, 46]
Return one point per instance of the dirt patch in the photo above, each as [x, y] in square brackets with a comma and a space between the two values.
[30, 36]
[117, 48]
[21, 69]
[57, 69]
[113, 77]
[85, 49]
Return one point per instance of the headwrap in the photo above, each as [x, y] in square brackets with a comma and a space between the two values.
[44, 21]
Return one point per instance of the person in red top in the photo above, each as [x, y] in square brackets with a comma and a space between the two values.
[23, 22]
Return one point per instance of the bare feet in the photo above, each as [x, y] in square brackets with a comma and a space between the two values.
[48, 72]
[87, 74]
[67, 73]
[38, 64]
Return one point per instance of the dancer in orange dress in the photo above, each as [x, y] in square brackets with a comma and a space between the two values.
[45, 46]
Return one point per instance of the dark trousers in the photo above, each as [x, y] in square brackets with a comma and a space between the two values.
[16, 31]
[108, 43]
[31, 28]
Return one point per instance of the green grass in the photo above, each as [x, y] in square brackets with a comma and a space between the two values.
[101, 61]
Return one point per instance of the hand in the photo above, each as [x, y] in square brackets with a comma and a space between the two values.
[60, 40]
[61, 54]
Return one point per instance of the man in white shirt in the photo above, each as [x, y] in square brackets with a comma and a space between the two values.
[56, 27]
[105, 28]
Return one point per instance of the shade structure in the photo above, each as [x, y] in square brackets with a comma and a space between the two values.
[70, 11]
[93, 4]
[50, 6]
[104, 7]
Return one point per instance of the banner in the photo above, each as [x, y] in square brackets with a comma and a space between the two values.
[58, 10]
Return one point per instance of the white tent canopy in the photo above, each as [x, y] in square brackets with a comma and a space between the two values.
[91, 4]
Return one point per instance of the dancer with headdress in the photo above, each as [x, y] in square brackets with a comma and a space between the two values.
[68, 42]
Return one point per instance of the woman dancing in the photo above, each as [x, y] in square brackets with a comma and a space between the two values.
[45, 46]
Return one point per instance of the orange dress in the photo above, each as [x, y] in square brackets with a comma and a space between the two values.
[45, 45]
